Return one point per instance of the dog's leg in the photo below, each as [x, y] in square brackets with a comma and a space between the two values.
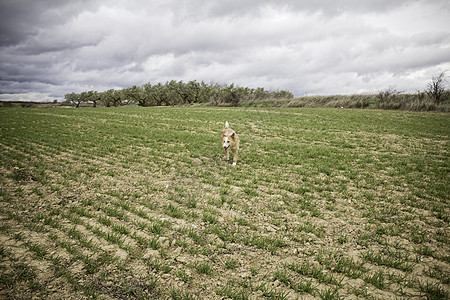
[235, 157]
[227, 155]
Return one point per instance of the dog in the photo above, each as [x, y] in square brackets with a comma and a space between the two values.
[230, 141]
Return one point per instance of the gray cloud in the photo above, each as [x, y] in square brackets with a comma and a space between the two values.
[314, 47]
[24, 18]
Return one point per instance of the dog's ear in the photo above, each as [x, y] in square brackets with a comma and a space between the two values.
[232, 135]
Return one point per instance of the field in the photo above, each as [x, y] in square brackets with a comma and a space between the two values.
[114, 203]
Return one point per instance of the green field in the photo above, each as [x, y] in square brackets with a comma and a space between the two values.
[131, 202]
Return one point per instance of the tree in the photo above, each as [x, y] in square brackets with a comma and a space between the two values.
[117, 97]
[173, 92]
[436, 87]
[86, 96]
[135, 94]
[105, 99]
[149, 94]
[74, 98]
[159, 95]
[191, 92]
[111, 97]
[232, 95]
[94, 97]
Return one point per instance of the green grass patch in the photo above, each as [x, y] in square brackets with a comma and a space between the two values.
[324, 203]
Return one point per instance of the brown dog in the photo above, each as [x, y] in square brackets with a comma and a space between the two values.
[230, 141]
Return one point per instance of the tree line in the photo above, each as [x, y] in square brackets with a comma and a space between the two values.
[176, 93]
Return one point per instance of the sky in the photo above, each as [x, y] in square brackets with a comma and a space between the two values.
[49, 48]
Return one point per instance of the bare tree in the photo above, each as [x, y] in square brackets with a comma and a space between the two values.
[436, 88]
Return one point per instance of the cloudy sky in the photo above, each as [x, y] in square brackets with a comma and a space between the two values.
[50, 47]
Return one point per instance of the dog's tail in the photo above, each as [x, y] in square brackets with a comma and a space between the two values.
[226, 124]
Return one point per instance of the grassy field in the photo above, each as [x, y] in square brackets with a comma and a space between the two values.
[116, 203]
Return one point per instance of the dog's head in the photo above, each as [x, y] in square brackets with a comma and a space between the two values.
[228, 140]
